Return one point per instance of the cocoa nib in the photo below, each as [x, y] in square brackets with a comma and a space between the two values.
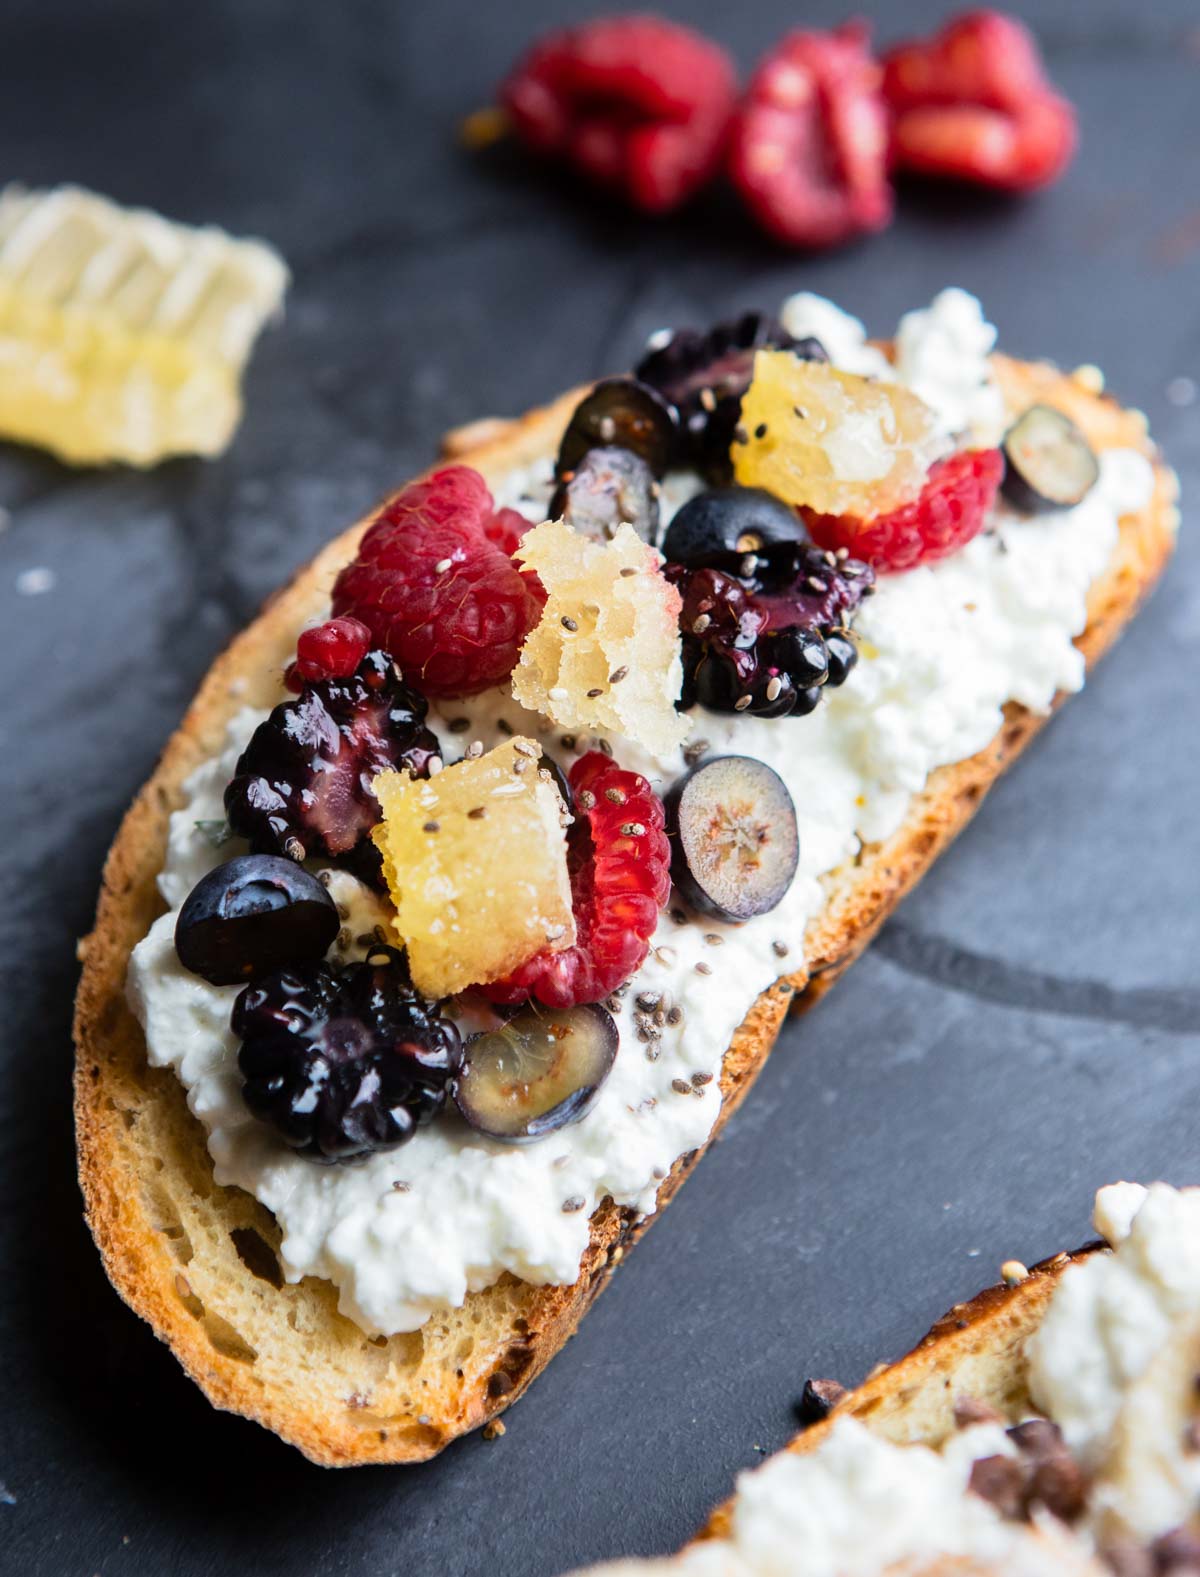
[818, 1400]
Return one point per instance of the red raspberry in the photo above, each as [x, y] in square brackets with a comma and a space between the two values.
[332, 650]
[434, 585]
[947, 513]
[973, 103]
[809, 146]
[639, 104]
[620, 879]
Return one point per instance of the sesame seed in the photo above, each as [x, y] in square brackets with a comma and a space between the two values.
[558, 693]
[742, 702]
[569, 624]
[774, 686]
[570, 1206]
[708, 400]
[665, 955]
[400, 1187]
[615, 796]
[780, 949]
[714, 939]
[431, 826]
[681, 1086]
[617, 675]
[816, 583]
[553, 932]
[1012, 1272]
[477, 813]
[524, 748]
[474, 750]
[841, 554]
[702, 1078]
[700, 624]
[294, 849]
[435, 766]
[592, 694]
[442, 566]
[520, 765]
[627, 572]
[704, 969]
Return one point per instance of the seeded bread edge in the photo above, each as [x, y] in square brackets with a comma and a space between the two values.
[200, 1262]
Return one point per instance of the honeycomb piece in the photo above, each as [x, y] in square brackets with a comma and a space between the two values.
[835, 442]
[606, 653]
[122, 335]
[476, 863]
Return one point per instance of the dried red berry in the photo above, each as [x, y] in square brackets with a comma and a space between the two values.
[950, 509]
[434, 584]
[808, 151]
[620, 863]
[332, 650]
[973, 103]
[639, 104]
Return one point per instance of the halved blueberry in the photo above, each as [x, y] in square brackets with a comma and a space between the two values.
[251, 916]
[538, 1072]
[734, 837]
[723, 525]
[1048, 463]
[626, 413]
[609, 486]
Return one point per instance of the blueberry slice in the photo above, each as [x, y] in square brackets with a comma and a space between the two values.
[626, 413]
[608, 486]
[733, 835]
[253, 915]
[725, 524]
[538, 1072]
[1048, 463]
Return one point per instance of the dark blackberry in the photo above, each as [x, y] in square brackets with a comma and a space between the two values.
[344, 1061]
[302, 786]
[770, 640]
[705, 376]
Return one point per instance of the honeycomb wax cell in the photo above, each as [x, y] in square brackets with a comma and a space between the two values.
[832, 441]
[606, 652]
[476, 864]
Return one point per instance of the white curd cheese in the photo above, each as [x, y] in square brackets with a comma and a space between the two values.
[943, 648]
[1115, 1359]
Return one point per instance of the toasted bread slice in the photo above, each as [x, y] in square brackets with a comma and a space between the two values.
[199, 1262]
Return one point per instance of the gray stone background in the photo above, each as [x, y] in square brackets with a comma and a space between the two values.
[1026, 1029]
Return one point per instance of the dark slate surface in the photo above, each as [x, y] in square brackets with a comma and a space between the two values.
[1026, 1030]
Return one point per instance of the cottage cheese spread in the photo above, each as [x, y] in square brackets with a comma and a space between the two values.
[943, 648]
[1116, 1357]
